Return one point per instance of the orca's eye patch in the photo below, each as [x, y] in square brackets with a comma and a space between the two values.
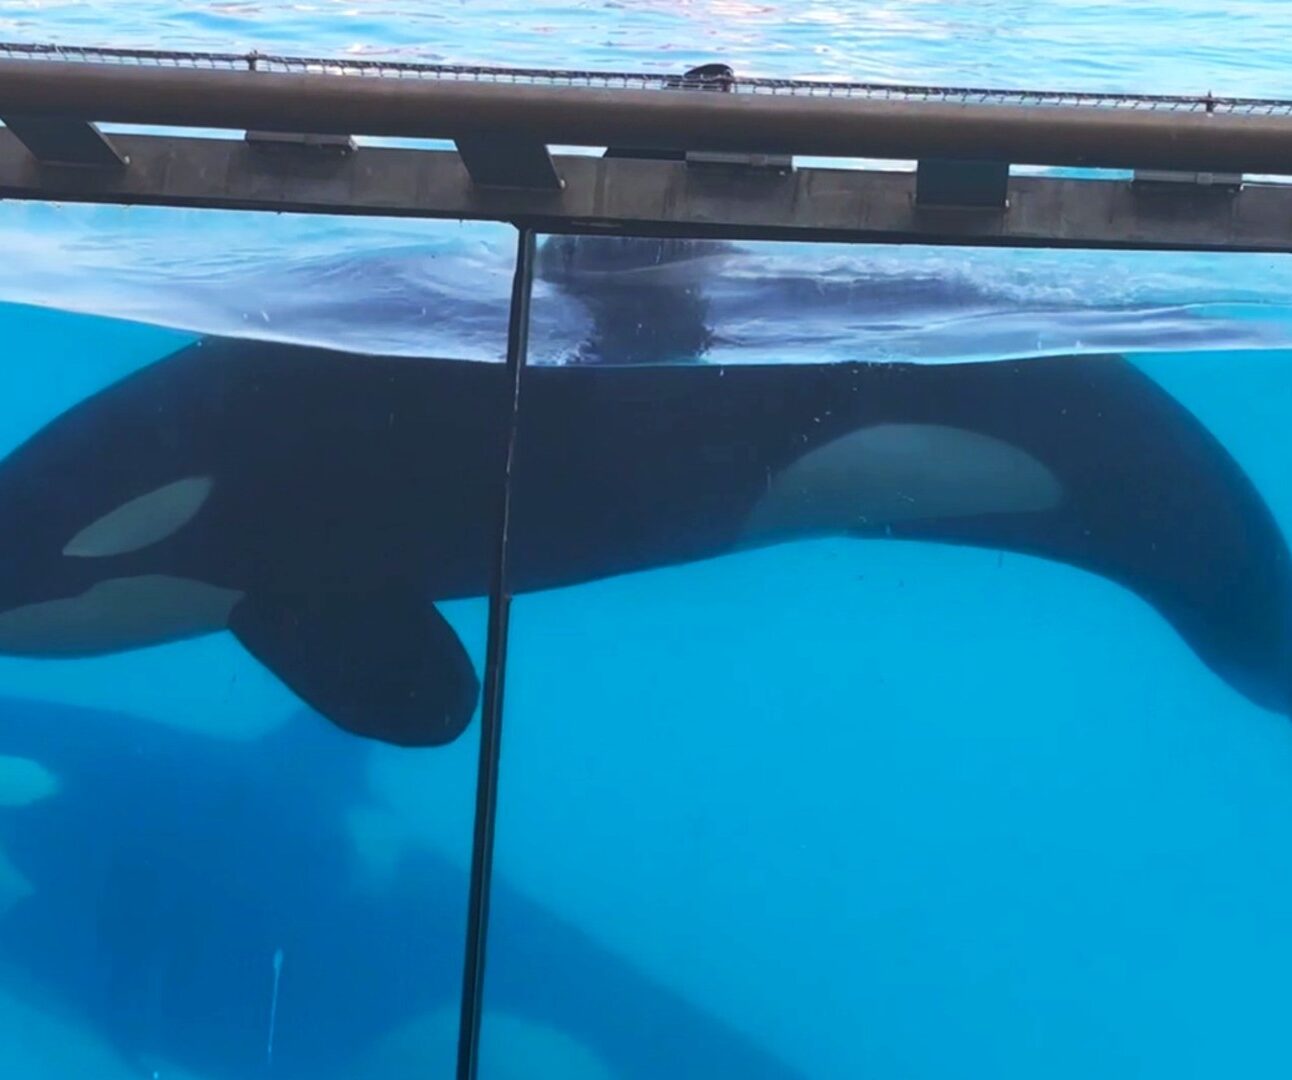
[141, 521]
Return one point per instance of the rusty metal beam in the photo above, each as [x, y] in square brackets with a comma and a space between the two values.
[663, 198]
[728, 122]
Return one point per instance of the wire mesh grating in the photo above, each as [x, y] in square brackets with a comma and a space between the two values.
[613, 80]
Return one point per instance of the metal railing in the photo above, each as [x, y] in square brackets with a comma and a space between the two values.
[620, 80]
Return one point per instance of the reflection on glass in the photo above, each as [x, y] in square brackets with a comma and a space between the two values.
[633, 300]
[238, 655]
[901, 720]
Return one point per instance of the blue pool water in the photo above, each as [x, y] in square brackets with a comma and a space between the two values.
[829, 809]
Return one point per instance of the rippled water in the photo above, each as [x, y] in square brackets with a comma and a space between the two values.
[1189, 46]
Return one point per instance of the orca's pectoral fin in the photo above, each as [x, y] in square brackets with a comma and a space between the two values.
[384, 665]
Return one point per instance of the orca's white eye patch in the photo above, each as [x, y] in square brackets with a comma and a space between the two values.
[141, 521]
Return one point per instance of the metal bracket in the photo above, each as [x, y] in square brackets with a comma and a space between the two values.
[962, 185]
[1166, 181]
[780, 164]
[509, 163]
[66, 143]
[292, 142]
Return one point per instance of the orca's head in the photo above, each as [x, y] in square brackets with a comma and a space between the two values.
[97, 519]
[646, 295]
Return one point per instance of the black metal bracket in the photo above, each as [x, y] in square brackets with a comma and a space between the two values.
[1164, 181]
[509, 163]
[777, 164]
[278, 142]
[66, 143]
[962, 185]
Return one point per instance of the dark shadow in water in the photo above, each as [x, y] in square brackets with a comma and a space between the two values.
[169, 867]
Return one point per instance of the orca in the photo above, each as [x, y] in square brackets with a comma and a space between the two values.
[166, 869]
[646, 296]
[317, 504]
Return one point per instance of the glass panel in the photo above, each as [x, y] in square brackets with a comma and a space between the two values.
[622, 300]
[894, 720]
[223, 852]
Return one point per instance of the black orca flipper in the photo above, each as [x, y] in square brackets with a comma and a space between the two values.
[385, 666]
[1150, 499]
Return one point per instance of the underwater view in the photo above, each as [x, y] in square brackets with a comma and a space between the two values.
[900, 662]
[847, 701]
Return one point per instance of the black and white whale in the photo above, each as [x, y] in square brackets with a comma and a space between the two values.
[317, 504]
[161, 871]
[647, 298]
